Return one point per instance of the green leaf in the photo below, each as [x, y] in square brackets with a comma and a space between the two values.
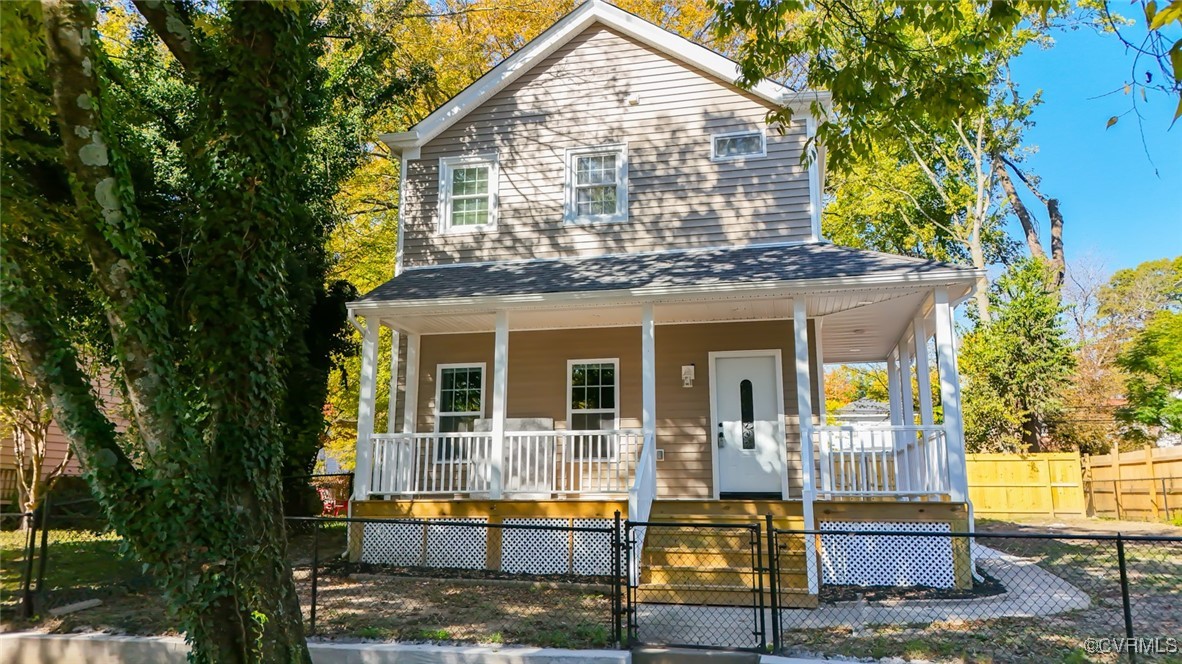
[1150, 10]
[1178, 112]
[1111, 121]
[1173, 12]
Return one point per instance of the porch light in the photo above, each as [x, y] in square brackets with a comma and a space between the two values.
[687, 375]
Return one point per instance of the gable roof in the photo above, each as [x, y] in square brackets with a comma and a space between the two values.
[591, 12]
[737, 268]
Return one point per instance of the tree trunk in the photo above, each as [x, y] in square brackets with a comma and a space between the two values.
[977, 253]
[259, 621]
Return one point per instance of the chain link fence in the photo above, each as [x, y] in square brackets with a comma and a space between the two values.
[999, 597]
[63, 554]
[995, 597]
[378, 577]
[696, 584]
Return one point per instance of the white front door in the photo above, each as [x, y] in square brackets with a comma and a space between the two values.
[746, 433]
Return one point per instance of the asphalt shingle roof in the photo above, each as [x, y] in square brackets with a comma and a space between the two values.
[706, 267]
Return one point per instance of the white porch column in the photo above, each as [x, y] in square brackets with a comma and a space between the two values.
[950, 397]
[804, 411]
[648, 371]
[500, 393]
[367, 392]
[893, 391]
[923, 375]
[818, 352]
[908, 402]
[819, 361]
[410, 407]
[392, 402]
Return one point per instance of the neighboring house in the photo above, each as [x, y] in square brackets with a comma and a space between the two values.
[863, 411]
[56, 447]
[612, 293]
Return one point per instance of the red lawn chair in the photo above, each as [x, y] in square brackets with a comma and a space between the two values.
[332, 507]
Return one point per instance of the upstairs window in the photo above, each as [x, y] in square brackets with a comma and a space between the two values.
[597, 184]
[467, 193]
[738, 145]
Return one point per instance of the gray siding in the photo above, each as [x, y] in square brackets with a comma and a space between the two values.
[678, 197]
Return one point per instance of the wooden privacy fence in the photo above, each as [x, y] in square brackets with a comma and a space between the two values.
[1026, 485]
[1143, 484]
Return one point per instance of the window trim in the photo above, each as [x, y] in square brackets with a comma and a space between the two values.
[446, 166]
[715, 157]
[570, 390]
[570, 213]
[439, 415]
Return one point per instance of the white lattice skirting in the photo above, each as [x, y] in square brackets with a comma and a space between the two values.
[887, 560]
[523, 551]
[556, 552]
[434, 545]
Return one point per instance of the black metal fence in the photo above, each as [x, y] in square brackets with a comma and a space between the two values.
[993, 596]
[60, 555]
[1137, 499]
[988, 596]
[356, 576]
[696, 584]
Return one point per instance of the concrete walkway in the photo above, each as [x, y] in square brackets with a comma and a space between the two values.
[1030, 592]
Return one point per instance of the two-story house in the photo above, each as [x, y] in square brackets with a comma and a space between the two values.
[612, 293]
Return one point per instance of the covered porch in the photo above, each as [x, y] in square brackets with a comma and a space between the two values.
[659, 342]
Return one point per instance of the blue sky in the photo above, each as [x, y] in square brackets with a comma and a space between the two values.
[1115, 207]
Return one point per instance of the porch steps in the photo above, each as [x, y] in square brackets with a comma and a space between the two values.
[689, 565]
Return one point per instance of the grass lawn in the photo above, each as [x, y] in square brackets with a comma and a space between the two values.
[84, 565]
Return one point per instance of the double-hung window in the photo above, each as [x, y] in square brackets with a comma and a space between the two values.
[597, 184]
[593, 388]
[467, 193]
[738, 145]
[459, 404]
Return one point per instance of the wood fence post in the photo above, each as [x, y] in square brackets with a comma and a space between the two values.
[1087, 479]
[1116, 494]
[1152, 482]
[1050, 485]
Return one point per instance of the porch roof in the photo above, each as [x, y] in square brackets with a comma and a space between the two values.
[661, 272]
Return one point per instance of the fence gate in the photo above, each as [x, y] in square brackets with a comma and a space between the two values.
[695, 585]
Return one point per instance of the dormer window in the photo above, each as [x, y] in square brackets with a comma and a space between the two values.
[467, 193]
[738, 145]
[597, 184]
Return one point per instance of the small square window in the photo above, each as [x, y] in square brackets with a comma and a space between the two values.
[739, 145]
[467, 193]
[597, 184]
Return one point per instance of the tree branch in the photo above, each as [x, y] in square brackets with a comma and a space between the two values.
[107, 222]
[54, 364]
[171, 23]
[1020, 209]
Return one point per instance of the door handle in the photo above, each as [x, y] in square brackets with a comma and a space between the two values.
[721, 437]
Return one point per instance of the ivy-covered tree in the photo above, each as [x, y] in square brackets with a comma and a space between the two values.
[195, 175]
[1016, 365]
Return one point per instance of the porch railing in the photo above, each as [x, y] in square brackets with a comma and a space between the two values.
[882, 461]
[640, 501]
[551, 463]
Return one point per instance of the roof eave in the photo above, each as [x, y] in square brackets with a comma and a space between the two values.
[788, 288]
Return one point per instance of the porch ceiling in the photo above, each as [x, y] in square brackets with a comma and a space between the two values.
[859, 325]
